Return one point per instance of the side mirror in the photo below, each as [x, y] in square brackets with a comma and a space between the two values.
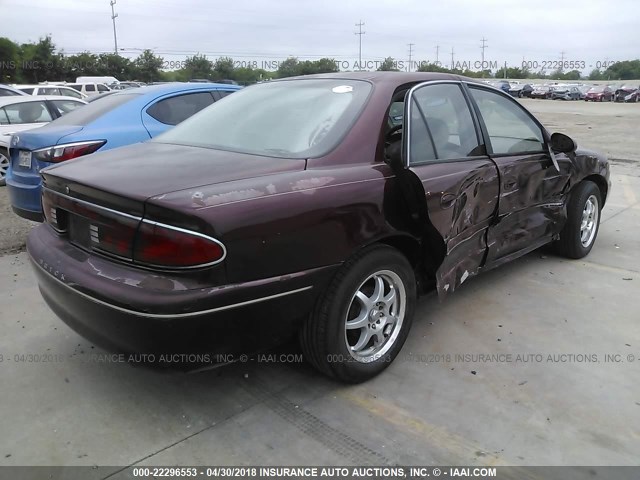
[562, 143]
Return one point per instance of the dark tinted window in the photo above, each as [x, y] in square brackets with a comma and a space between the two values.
[93, 110]
[102, 88]
[75, 87]
[90, 87]
[176, 109]
[27, 90]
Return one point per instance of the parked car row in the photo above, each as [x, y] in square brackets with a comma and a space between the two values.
[231, 232]
[121, 118]
[589, 93]
[23, 112]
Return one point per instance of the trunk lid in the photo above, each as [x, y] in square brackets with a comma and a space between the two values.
[141, 171]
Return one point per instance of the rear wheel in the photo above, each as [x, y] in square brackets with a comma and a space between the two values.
[363, 318]
[583, 221]
[4, 166]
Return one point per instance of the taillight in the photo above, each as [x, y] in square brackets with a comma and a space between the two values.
[60, 153]
[164, 246]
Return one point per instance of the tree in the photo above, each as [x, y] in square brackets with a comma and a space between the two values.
[223, 68]
[625, 70]
[326, 65]
[148, 66]
[512, 73]
[9, 61]
[595, 74]
[388, 65]
[198, 66]
[432, 67]
[289, 68]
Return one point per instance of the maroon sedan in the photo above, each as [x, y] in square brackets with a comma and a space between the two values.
[304, 206]
[600, 94]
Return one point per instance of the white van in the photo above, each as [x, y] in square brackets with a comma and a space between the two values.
[90, 89]
[105, 80]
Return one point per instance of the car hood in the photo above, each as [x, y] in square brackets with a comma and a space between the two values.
[154, 169]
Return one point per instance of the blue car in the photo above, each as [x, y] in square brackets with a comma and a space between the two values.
[122, 118]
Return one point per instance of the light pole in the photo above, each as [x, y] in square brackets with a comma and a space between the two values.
[113, 17]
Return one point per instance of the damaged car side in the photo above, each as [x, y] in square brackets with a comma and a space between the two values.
[309, 206]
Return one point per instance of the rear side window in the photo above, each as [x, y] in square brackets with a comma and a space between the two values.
[66, 106]
[89, 87]
[28, 112]
[441, 124]
[94, 110]
[48, 91]
[70, 92]
[174, 110]
[4, 120]
[76, 87]
[27, 90]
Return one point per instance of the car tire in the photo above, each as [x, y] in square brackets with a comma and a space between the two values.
[360, 294]
[583, 221]
[4, 166]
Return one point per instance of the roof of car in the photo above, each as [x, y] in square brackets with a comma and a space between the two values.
[173, 87]
[4, 101]
[388, 77]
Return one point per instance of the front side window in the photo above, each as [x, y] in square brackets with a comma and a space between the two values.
[28, 112]
[511, 130]
[27, 90]
[289, 118]
[174, 110]
[441, 126]
[90, 88]
[48, 91]
[102, 88]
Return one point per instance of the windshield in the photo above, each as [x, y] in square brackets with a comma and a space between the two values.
[292, 119]
[90, 112]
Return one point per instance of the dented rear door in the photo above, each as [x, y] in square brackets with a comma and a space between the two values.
[445, 150]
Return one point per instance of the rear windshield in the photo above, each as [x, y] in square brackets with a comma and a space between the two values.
[90, 112]
[291, 119]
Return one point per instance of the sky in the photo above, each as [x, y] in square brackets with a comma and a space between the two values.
[540, 32]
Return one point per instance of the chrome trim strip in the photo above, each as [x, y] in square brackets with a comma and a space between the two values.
[65, 145]
[407, 115]
[164, 316]
[93, 205]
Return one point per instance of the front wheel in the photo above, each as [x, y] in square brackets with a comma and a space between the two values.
[363, 318]
[583, 221]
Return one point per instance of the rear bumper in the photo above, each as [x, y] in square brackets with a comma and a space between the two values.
[25, 198]
[113, 307]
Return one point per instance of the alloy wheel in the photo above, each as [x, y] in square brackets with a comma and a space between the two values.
[589, 223]
[375, 316]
